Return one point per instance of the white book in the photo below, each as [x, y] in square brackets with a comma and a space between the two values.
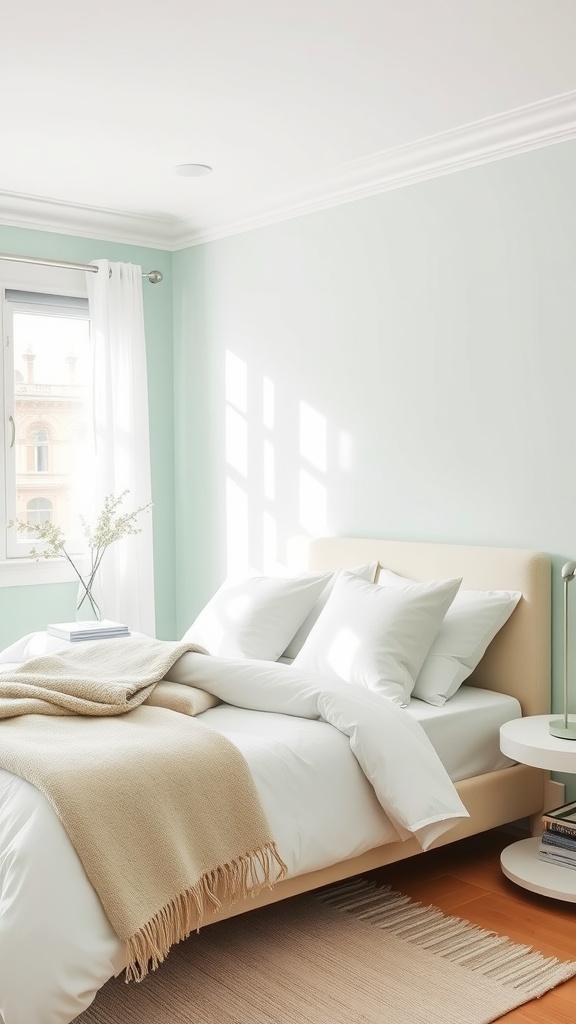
[562, 860]
[88, 630]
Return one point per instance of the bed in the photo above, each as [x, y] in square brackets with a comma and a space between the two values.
[51, 895]
[517, 664]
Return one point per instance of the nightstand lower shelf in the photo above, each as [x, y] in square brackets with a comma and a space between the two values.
[520, 864]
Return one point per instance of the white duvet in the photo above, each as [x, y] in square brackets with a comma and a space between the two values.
[339, 770]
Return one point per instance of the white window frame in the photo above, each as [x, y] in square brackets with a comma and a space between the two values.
[18, 569]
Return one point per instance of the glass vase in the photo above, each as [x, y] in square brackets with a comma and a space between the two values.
[88, 600]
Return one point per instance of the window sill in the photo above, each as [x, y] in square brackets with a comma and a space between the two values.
[26, 572]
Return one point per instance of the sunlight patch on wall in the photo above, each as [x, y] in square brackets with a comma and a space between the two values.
[269, 457]
[313, 504]
[276, 451]
[313, 437]
[236, 441]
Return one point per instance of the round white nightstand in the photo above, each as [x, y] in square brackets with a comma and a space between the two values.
[528, 741]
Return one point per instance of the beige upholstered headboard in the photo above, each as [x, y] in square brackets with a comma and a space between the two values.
[518, 660]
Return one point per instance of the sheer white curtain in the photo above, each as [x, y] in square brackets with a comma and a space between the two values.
[122, 446]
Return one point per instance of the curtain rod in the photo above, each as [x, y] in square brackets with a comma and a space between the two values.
[154, 276]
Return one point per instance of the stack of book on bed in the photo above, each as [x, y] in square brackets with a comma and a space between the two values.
[90, 630]
[558, 840]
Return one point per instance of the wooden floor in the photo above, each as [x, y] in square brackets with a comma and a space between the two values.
[465, 880]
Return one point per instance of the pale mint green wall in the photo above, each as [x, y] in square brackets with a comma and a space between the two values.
[434, 330]
[198, 499]
[23, 609]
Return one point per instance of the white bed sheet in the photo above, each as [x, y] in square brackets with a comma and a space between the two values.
[465, 732]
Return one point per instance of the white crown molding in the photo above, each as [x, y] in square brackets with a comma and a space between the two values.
[40, 214]
[494, 138]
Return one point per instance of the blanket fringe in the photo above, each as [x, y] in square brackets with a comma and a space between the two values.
[239, 879]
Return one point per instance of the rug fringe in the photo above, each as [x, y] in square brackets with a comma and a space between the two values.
[487, 953]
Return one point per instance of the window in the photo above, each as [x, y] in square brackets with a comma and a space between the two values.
[46, 422]
[38, 510]
[38, 438]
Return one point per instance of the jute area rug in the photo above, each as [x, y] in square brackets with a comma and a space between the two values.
[355, 953]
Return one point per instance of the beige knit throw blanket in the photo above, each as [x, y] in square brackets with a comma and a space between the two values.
[162, 810]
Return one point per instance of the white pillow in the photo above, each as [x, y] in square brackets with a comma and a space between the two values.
[256, 616]
[364, 572]
[377, 636]
[471, 623]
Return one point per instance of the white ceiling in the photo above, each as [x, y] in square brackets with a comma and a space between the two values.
[296, 104]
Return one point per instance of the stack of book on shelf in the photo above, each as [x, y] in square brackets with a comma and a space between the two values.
[558, 839]
[91, 630]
